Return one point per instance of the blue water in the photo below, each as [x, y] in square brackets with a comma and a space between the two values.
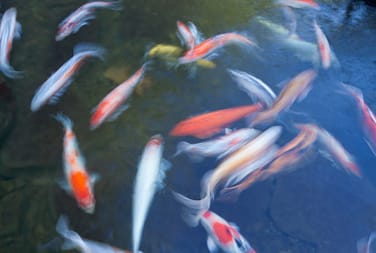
[317, 208]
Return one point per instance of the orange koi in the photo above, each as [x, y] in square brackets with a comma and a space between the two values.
[208, 124]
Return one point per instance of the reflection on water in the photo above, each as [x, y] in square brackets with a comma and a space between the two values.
[317, 208]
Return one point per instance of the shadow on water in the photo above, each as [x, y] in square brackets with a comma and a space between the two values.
[317, 208]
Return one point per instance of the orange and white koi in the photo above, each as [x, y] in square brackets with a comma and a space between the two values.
[9, 30]
[232, 165]
[208, 124]
[368, 117]
[220, 146]
[81, 17]
[110, 107]
[297, 88]
[74, 241]
[208, 46]
[338, 151]
[80, 183]
[223, 235]
[51, 90]
[323, 46]
[149, 178]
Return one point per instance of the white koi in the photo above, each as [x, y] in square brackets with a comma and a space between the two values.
[149, 178]
[254, 87]
[220, 146]
[323, 46]
[74, 241]
[51, 90]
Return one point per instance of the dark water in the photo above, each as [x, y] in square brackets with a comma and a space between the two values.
[317, 208]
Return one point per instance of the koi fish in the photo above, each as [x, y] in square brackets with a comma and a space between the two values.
[80, 183]
[74, 241]
[368, 117]
[251, 152]
[336, 149]
[297, 88]
[284, 160]
[188, 34]
[208, 46]
[208, 124]
[223, 235]
[9, 30]
[81, 17]
[254, 87]
[364, 244]
[150, 174]
[221, 146]
[110, 106]
[299, 3]
[323, 46]
[52, 89]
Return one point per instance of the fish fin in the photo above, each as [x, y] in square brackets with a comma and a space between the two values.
[116, 5]
[18, 32]
[117, 113]
[211, 244]
[63, 184]
[94, 177]
[361, 245]
[234, 225]
[164, 166]
[54, 99]
[64, 120]
[196, 34]
[353, 90]
[304, 94]
[10, 72]
[73, 240]
[182, 147]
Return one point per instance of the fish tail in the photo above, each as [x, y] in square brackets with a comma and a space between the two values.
[72, 239]
[193, 208]
[90, 49]
[181, 147]
[115, 5]
[10, 72]
[354, 91]
[64, 120]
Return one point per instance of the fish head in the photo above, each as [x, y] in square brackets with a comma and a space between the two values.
[64, 30]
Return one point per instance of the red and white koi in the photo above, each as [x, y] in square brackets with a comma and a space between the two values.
[223, 235]
[110, 107]
[208, 46]
[188, 34]
[149, 178]
[9, 30]
[220, 146]
[323, 46]
[254, 87]
[74, 241]
[81, 17]
[368, 117]
[80, 183]
[51, 90]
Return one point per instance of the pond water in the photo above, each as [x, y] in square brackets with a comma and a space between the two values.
[316, 208]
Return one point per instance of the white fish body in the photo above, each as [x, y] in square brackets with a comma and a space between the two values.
[74, 241]
[9, 29]
[54, 87]
[149, 176]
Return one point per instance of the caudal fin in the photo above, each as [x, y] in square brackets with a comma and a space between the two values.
[64, 120]
[10, 72]
[72, 239]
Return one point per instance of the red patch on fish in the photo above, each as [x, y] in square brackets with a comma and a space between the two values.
[223, 232]
[80, 186]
